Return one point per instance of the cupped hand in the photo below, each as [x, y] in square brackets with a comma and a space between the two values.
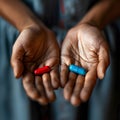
[36, 48]
[85, 46]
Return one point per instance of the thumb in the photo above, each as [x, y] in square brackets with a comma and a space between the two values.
[103, 64]
[101, 69]
[16, 60]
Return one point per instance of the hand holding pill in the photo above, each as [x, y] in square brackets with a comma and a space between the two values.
[84, 58]
[34, 49]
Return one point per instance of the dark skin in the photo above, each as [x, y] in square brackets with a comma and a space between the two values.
[37, 46]
[86, 46]
[91, 54]
[26, 57]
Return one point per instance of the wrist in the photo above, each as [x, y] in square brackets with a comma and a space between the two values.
[34, 28]
[30, 24]
[99, 15]
[90, 23]
[19, 15]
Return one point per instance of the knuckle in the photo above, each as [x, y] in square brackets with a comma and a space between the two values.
[27, 81]
[45, 80]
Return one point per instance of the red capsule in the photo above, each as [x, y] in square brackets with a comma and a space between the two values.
[40, 71]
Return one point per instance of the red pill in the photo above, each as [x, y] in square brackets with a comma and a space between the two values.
[40, 71]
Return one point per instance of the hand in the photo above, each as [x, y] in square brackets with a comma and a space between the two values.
[33, 49]
[86, 47]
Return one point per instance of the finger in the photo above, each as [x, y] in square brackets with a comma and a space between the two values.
[39, 85]
[18, 68]
[29, 86]
[16, 60]
[68, 89]
[103, 62]
[90, 80]
[64, 72]
[55, 78]
[66, 60]
[75, 98]
[101, 69]
[48, 87]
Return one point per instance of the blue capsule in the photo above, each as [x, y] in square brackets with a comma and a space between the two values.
[77, 69]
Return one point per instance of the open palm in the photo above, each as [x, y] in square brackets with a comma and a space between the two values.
[34, 49]
[86, 47]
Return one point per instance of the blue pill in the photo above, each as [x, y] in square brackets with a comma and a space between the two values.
[77, 69]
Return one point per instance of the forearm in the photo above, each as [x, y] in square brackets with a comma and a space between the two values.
[102, 13]
[17, 13]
